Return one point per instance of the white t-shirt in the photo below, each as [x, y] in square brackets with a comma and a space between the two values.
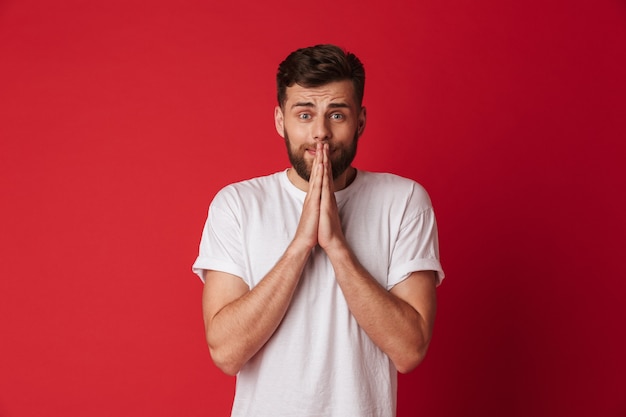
[319, 362]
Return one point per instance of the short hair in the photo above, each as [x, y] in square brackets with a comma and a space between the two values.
[317, 65]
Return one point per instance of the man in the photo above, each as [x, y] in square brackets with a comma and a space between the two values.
[320, 281]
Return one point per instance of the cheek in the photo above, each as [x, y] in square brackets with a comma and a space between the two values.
[345, 132]
[297, 133]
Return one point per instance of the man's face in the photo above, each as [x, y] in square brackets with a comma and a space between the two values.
[327, 114]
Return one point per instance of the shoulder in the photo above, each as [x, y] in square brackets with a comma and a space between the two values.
[247, 190]
[394, 185]
[386, 178]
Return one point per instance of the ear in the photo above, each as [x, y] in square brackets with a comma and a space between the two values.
[361, 121]
[279, 121]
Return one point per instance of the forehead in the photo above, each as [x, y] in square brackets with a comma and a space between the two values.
[336, 91]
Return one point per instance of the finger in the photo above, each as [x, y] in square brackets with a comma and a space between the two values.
[327, 184]
[316, 178]
[328, 168]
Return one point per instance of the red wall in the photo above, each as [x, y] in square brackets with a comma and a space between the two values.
[120, 120]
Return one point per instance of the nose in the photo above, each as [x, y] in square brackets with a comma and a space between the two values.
[321, 129]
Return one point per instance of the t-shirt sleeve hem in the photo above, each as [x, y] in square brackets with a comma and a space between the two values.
[402, 272]
[203, 264]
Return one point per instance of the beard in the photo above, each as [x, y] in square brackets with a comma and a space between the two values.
[340, 159]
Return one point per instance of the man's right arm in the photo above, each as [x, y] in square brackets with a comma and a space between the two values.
[239, 321]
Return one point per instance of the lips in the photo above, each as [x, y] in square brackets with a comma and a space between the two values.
[313, 150]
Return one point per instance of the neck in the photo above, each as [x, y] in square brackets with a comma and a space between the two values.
[345, 179]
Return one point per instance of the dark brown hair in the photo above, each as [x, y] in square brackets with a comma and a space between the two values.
[318, 65]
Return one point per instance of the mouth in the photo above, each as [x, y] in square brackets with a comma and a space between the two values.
[313, 150]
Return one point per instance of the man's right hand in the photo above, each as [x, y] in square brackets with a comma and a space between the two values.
[307, 231]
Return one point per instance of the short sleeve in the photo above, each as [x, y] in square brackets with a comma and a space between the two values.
[417, 245]
[220, 245]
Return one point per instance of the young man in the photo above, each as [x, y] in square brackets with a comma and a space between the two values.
[319, 280]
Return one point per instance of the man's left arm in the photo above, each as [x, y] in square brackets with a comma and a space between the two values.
[400, 321]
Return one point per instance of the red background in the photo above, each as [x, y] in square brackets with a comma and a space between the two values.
[120, 120]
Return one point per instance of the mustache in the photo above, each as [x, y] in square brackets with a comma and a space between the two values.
[313, 146]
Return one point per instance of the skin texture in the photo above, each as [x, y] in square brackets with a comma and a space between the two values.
[322, 124]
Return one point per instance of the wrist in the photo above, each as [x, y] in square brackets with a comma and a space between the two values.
[337, 250]
[298, 249]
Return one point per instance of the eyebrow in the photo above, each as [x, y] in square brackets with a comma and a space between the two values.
[339, 105]
[302, 104]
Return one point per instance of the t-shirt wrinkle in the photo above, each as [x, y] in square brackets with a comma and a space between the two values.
[414, 218]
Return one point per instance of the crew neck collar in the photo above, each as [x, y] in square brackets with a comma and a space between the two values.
[339, 195]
